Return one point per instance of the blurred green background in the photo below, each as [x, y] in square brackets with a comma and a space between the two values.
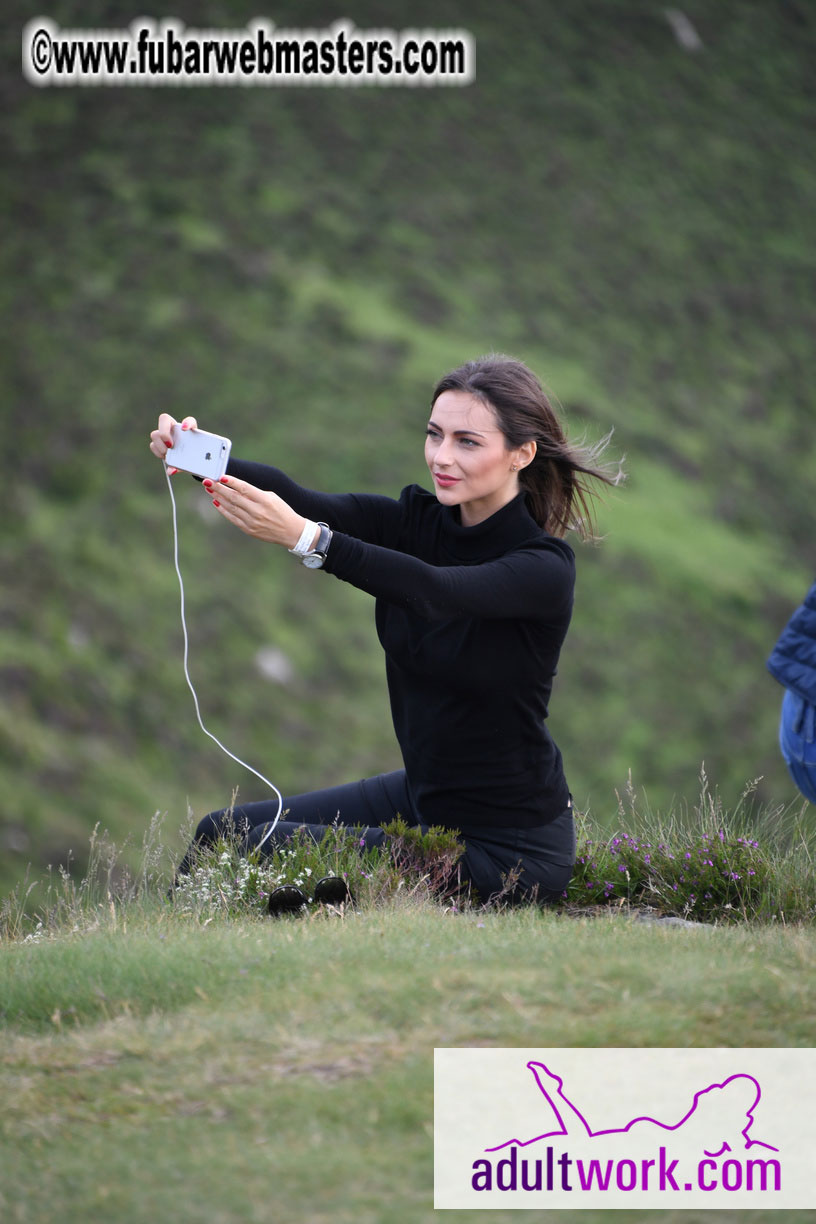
[297, 267]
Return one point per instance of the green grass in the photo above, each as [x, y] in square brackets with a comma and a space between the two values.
[202, 1062]
[255, 1070]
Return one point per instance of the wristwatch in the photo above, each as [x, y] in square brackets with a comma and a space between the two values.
[317, 557]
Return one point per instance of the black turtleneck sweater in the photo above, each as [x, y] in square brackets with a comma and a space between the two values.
[472, 620]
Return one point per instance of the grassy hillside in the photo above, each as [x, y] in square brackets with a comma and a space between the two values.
[296, 268]
[154, 1068]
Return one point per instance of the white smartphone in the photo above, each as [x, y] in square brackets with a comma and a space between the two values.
[199, 452]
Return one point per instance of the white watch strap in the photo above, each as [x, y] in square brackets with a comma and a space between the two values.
[304, 544]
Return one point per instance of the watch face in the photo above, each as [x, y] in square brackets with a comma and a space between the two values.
[314, 560]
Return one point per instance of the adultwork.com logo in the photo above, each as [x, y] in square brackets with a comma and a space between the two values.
[705, 1126]
[537, 1132]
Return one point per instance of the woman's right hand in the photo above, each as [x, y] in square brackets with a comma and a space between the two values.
[161, 439]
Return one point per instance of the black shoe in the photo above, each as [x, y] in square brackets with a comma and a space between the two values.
[288, 899]
[331, 890]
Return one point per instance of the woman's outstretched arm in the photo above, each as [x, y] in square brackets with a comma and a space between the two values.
[363, 516]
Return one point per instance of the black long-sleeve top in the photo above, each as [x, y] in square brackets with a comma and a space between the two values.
[471, 620]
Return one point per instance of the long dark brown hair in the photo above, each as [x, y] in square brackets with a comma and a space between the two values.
[558, 481]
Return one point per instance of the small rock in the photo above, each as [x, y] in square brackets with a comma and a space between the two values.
[683, 30]
[273, 664]
[644, 916]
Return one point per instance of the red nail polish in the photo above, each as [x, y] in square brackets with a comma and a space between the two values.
[216, 503]
[185, 425]
[207, 484]
[224, 480]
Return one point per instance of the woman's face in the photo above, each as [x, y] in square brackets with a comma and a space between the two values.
[468, 457]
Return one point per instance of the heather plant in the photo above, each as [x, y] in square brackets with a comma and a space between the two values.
[710, 865]
[429, 857]
[710, 876]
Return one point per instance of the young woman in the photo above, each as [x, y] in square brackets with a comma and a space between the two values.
[473, 587]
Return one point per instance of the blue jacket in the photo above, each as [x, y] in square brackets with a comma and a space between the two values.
[793, 659]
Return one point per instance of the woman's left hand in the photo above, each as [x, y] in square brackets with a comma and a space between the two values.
[256, 512]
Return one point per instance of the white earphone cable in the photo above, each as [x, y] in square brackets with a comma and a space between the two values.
[271, 786]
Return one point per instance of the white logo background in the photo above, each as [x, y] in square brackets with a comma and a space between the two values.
[485, 1097]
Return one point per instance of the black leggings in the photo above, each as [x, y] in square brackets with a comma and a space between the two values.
[544, 856]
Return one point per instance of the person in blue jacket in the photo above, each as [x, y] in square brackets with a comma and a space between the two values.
[793, 664]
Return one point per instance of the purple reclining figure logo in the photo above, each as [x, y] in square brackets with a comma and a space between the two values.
[741, 1094]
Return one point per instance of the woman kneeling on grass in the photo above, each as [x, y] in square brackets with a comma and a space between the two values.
[474, 589]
